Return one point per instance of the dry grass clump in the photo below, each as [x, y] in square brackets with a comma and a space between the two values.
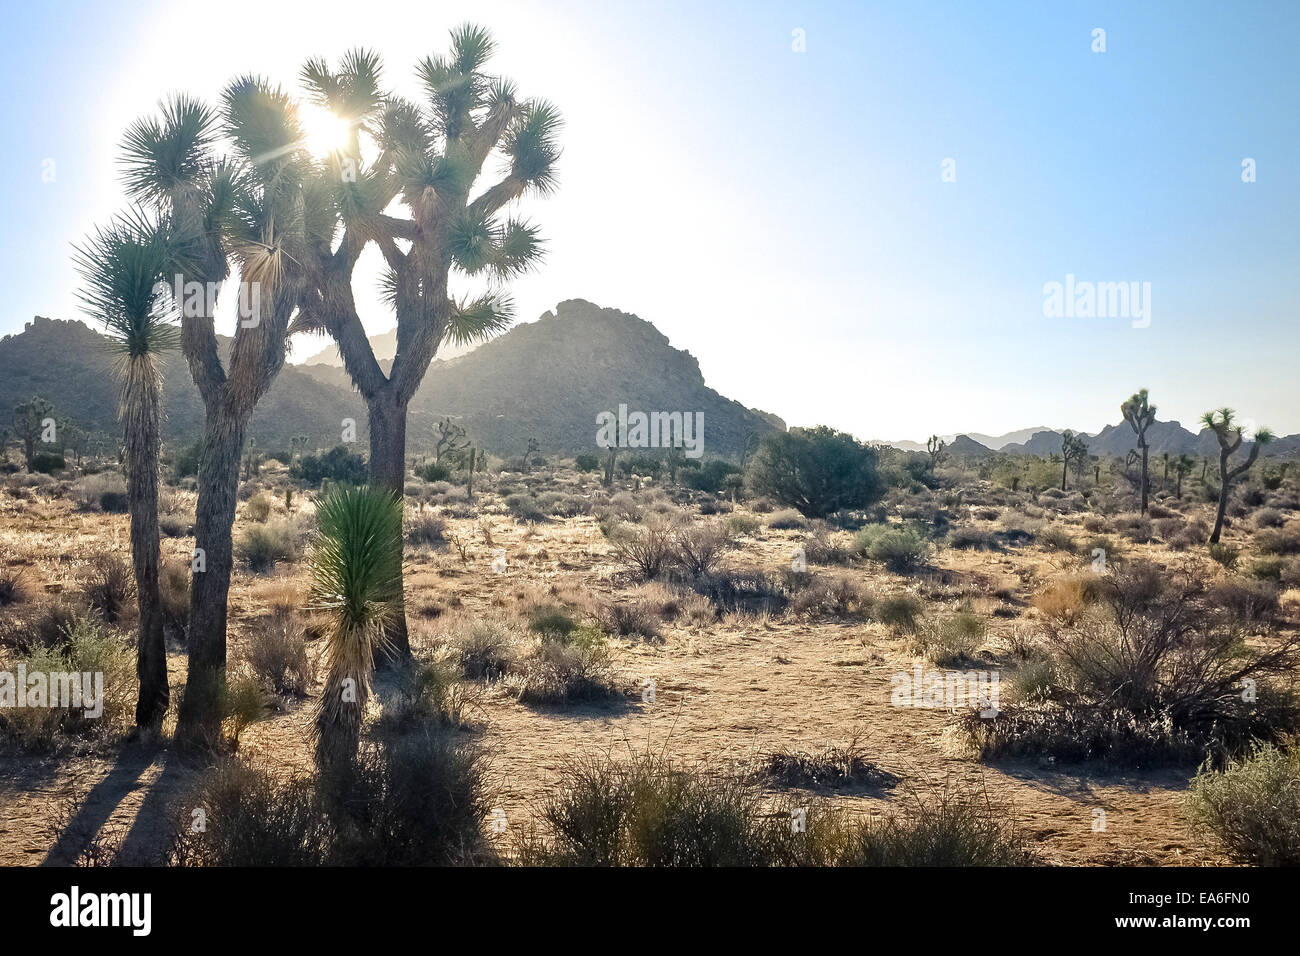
[1067, 598]
[832, 766]
[697, 548]
[426, 529]
[787, 519]
[109, 586]
[277, 653]
[262, 546]
[555, 672]
[646, 550]
[834, 595]
[417, 799]
[13, 589]
[950, 641]
[648, 811]
[485, 647]
[900, 612]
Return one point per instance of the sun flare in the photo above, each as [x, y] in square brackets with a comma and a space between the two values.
[323, 132]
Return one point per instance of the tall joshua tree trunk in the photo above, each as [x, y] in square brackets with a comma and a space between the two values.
[142, 444]
[213, 562]
[387, 419]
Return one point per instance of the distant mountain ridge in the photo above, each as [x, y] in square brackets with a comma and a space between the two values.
[546, 380]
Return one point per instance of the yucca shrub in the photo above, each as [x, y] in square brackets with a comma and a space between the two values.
[355, 566]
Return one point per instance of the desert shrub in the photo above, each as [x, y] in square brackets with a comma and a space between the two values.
[174, 596]
[587, 463]
[950, 641]
[277, 653]
[261, 546]
[1244, 600]
[12, 588]
[745, 591]
[1282, 541]
[1224, 554]
[1067, 598]
[415, 800]
[630, 618]
[47, 462]
[823, 548]
[649, 812]
[551, 620]
[484, 648]
[430, 692]
[712, 476]
[816, 470]
[742, 525]
[173, 526]
[1268, 569]
[44, 625]
[787, 520]
[257, 508]
[525, 507]
[900, 612]
[948, 829]
[433, 471]
[1055, 538]
[712, 506]
[697, 548]
[1269, 518]
[1252, 808]
[1156, 674]
[88, 493]
[336, 465]
[426, 529]
[837, 595]
[556, 673]
[645, 550]
[1076, 734]
[84, 647]
[109, 586]
[832, 766]
[972, 539]
[901, 548]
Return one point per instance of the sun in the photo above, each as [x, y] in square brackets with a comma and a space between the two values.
[323, 132]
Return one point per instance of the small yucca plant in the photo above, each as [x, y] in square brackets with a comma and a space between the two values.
[356, 574]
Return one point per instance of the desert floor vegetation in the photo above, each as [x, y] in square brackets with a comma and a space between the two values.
[588, 657]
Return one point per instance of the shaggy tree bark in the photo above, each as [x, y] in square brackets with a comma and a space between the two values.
[142, 445]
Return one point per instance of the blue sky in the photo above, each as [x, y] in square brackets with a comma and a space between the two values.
[781, 214]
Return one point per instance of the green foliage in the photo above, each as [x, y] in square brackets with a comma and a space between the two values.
[1253, 807]
[587, 463]
[336, 465]
[818, 471]
[433, 471]
[47, 462]
[901, 548]
[710, 476]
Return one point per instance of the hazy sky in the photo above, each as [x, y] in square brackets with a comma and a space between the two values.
[781, 214]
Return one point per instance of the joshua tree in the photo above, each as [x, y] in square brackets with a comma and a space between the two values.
[934, 447]
[29, 425]
[1229, 434]
[611, 459]
[477, 457]
[748, 445]
[255, 209]
[1164, 480]
[121, 267]
[1183, 466]
[427, 157]
[1140, 414]
[1074, 451]
[450, 439]
[356, 575]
